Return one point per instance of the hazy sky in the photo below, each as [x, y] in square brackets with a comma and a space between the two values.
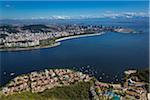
[45, 9]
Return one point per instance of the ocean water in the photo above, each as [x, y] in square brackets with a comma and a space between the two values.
[105, 56]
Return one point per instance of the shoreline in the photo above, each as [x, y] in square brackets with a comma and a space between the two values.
[31, 48]
[78, 36]
[47, 79]
[58, 42]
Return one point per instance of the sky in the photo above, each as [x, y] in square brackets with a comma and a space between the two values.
[71, 9]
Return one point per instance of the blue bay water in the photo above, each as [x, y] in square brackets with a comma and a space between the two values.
[108, 55]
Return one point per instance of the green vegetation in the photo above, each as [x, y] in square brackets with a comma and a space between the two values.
[9, 28]
[78, 91]
[73, 92]
[36, 28]
[122, 93]
[22, 96]
[143, 75]
[47, 42]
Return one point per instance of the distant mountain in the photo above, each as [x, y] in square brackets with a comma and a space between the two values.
[68, 20]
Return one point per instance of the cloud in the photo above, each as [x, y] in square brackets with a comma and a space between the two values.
[108, 14]
[60, 17]
[125, 15]
[105, 15]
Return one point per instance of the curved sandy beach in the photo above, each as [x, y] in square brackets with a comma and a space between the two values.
[58, 42]
[78, 36]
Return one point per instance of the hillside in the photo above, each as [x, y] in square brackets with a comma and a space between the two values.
[77, 91]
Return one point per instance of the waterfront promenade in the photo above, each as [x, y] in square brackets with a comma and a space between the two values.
[79, 36]
[57, 42]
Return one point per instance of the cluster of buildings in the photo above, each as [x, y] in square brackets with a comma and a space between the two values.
[106, 91]
[21, 44]
[26, 38]
[121, 30]
[18, 84]
[131, 89]
[40, 81]
[134, 87]
[23, 39]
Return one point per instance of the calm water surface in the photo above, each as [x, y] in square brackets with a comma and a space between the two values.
[106, 56]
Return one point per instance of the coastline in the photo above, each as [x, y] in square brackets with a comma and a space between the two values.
[45, 80]
[78, 36]
[57, 42]
[31, 48]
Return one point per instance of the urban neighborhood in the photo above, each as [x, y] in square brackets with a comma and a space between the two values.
[132, 88]
[42, 35]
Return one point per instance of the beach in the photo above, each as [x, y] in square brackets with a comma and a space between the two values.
[79, 36]
[57, 43]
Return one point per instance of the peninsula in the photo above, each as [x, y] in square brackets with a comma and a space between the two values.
[30, 37]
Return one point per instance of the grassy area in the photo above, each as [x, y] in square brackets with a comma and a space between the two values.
[48, 41]
[78, 91]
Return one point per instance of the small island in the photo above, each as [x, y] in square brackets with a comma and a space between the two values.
[30, 37]
[70, 84]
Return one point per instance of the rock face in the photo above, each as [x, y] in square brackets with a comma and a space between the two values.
[124, 30]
